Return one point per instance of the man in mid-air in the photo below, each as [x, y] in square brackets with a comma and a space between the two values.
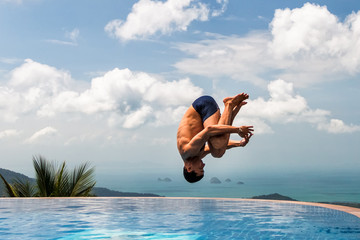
[204, 130]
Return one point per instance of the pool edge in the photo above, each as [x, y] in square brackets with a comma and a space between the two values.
[350, 210]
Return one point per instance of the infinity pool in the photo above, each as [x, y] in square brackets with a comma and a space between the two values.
[168, 218]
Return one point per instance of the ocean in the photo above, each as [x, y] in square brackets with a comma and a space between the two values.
[312, 187]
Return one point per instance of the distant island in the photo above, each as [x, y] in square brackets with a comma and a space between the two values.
[104, 192]
[215, 180]
[274, 196]
[164, 179]
[97, 191]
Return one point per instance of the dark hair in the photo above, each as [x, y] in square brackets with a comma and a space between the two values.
[191, 177]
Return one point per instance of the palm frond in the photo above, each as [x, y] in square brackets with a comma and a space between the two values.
[9, 189]
[45, 176]
[61, 188]
[24, 189]
[82, 181]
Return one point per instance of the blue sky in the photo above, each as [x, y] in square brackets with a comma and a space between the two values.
[108, 81]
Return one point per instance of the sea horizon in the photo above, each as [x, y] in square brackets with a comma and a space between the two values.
[311, 187]
[302, 186]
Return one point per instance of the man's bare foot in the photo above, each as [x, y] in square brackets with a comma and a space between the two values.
[236, 100]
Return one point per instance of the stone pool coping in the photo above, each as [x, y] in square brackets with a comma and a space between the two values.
[350, 210]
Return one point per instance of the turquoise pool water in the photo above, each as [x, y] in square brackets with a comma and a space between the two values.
[167, 218]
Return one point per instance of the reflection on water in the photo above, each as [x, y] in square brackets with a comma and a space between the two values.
[162, 218]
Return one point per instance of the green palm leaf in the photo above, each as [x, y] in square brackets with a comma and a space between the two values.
[61, 188]
[45, 176]
[24, 189]
[82, 181]
[10, 190]
[54, 183]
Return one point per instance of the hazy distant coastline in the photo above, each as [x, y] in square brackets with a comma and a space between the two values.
[97, 191]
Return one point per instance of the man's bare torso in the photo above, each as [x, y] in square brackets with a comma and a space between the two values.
[190, 125]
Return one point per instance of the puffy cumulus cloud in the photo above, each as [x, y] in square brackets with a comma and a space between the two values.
[138, 117]
[135, 98]
[150, 17]
[43, 133]
[304, 45]
[42, 76]
[285, 106]
[338, 126]
[119, 98]
[313, 30]
[29, 86]
[315, 38]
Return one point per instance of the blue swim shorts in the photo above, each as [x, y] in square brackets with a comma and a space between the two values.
[205, 106]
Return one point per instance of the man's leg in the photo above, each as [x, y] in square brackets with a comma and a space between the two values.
[218, 144]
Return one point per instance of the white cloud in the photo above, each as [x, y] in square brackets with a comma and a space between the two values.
[136, 98]
[304, 45]
[138, 117]
[151, 17]
[338, 126]
[242, 59]
[218, 12]
[38, 94]
[29, 87]
[10, 60]
[284, 106]
[71, 36]
[61, 42]
[42, 76]
[260, 126]
[119, 98]
[45, 132]
[9, 133]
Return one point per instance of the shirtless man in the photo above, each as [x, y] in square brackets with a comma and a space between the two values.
[202, 123]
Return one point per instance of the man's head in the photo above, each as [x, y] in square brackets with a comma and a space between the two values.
[193, 170]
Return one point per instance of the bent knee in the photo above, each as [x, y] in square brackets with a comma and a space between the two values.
[218, 153]
[219, 142]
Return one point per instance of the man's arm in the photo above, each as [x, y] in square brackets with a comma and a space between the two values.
[198, 141]
[231, 144]
[241, 143]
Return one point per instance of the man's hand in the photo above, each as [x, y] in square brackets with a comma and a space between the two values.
[246, 131]
[245, 140]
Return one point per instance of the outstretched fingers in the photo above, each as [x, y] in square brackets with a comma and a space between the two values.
[245, 130]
